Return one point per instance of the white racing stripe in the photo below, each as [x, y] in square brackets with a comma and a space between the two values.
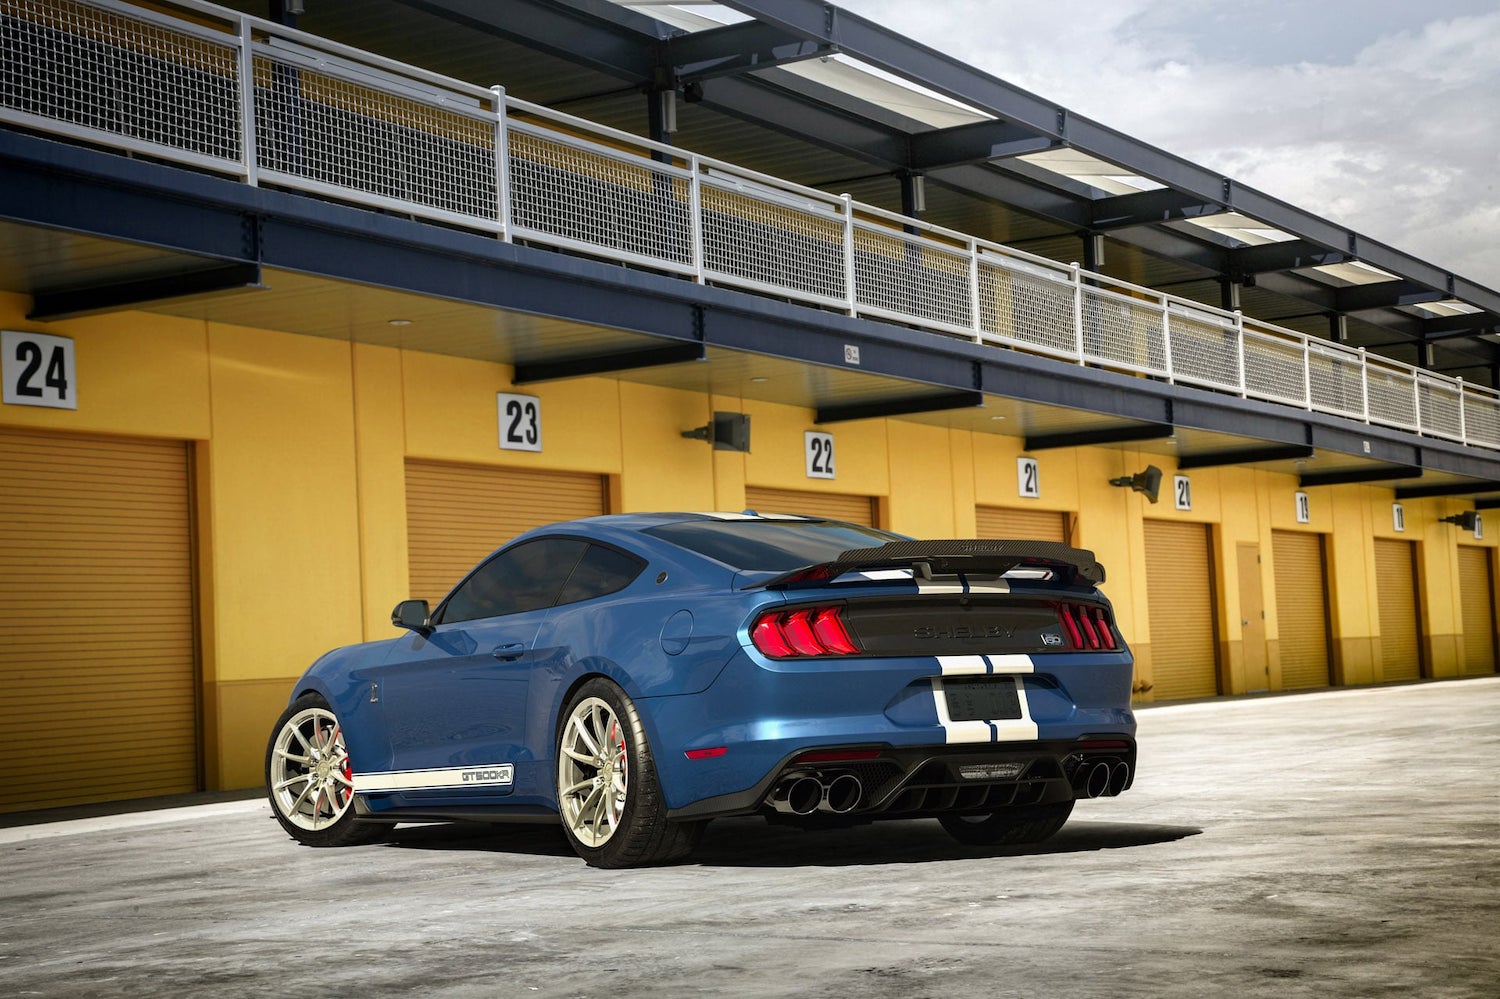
[1021, 729]
[1010, 662]
[498, 775]
[962, 584]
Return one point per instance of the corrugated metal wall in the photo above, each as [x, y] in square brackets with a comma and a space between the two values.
[1396, 589]
[835, 506]
[1301, 608]
[1476, 592]
[458, 514]
[1180, 607]
[98, 650]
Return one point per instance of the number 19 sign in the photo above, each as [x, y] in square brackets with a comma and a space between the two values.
[38, 370]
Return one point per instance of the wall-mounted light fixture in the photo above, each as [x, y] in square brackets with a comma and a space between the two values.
[1468, 520]
[1148, 482]
[728, 432]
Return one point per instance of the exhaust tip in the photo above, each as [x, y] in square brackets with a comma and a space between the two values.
[1119, 778]
[797, 796]
[842, 794]
[1092, 779]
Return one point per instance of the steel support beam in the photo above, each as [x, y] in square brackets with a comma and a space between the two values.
[1246, 456]
[1350, 476]
[975, 143]
[1284, 256]
[69, 303]
[1101, 435]
[603, 364]
[735, 49]
[1123, 211]
[1450, 489]
[898, 407]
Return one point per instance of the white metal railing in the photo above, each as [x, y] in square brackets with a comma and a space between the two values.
[248, 98]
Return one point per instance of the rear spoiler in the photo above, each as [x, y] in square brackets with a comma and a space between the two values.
[927, 559]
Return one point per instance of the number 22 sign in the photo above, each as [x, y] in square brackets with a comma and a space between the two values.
[38, 370]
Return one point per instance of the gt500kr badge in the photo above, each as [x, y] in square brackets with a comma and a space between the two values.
[496, 775]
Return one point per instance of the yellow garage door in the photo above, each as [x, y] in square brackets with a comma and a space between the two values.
[98, 664]
[458, 514]
[1396, 589]
[1302, 608]
[1009, 522]
[1180, 608]
[835, 506]
[1476, 592]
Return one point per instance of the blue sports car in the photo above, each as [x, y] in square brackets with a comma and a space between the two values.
[637, 675]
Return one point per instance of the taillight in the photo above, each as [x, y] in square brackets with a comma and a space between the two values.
[1087, 627]
[806, 631]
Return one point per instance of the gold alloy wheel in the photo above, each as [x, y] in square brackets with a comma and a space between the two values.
[593, 777]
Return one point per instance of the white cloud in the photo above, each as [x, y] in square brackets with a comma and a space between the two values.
[1381, 116]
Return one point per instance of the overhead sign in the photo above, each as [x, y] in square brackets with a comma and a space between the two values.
[38, 370]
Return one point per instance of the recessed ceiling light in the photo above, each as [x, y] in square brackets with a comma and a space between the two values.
[760, 378]
[399, 322]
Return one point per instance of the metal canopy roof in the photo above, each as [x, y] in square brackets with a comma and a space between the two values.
[1011, 167]
[1013, 170]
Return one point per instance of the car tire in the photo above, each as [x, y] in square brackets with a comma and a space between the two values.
[1009, 826]
[309, 781]
[611, 802]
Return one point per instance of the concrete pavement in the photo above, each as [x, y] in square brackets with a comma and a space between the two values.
[1335, 844]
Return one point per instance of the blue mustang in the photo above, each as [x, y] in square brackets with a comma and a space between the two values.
[637, 675]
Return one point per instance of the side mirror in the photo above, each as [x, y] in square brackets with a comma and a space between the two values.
[413, 615]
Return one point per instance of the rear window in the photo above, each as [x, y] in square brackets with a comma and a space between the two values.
[771, 545]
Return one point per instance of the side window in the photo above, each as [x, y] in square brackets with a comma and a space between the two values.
[526, 577]
[600, 571]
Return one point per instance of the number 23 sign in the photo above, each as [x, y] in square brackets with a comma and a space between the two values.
[38, 370]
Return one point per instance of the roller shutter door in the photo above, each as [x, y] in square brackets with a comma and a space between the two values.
[1180, 608]
[1302, 609]
[1476, 593]
[1009, 522]
[98, 663]
[835, 506]
[1396, 590]
[458, 514]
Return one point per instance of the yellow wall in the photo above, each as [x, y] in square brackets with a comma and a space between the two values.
[299, 470]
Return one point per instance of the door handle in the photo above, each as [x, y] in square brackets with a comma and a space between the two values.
[510, 651]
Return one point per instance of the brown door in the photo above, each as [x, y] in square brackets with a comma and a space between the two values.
[1009, 522]
[1180, 608]
[1396, 591]
[458, 514]
[98, 651]
[1301, 608]
[835, 506]
[1253, 618]
[1476, 591]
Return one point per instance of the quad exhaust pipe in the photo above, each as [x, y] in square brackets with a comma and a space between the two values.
[1102, 777]
[806, 794]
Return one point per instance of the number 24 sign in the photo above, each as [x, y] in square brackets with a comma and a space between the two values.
[38, 370]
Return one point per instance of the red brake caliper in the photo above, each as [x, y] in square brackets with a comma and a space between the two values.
[347, 791]
[619, 739]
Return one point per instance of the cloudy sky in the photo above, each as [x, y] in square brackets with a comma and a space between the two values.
[1382, 115]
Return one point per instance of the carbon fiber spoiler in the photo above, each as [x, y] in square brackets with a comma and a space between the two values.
[927, 559]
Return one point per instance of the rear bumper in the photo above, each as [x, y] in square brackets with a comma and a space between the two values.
[758, 716]
[918, 781]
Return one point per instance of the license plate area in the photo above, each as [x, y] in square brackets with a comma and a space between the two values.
[982, 699]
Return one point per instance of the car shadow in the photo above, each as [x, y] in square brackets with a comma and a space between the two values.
[752, 842]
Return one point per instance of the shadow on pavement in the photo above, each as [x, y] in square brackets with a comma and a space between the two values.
[752, 842]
